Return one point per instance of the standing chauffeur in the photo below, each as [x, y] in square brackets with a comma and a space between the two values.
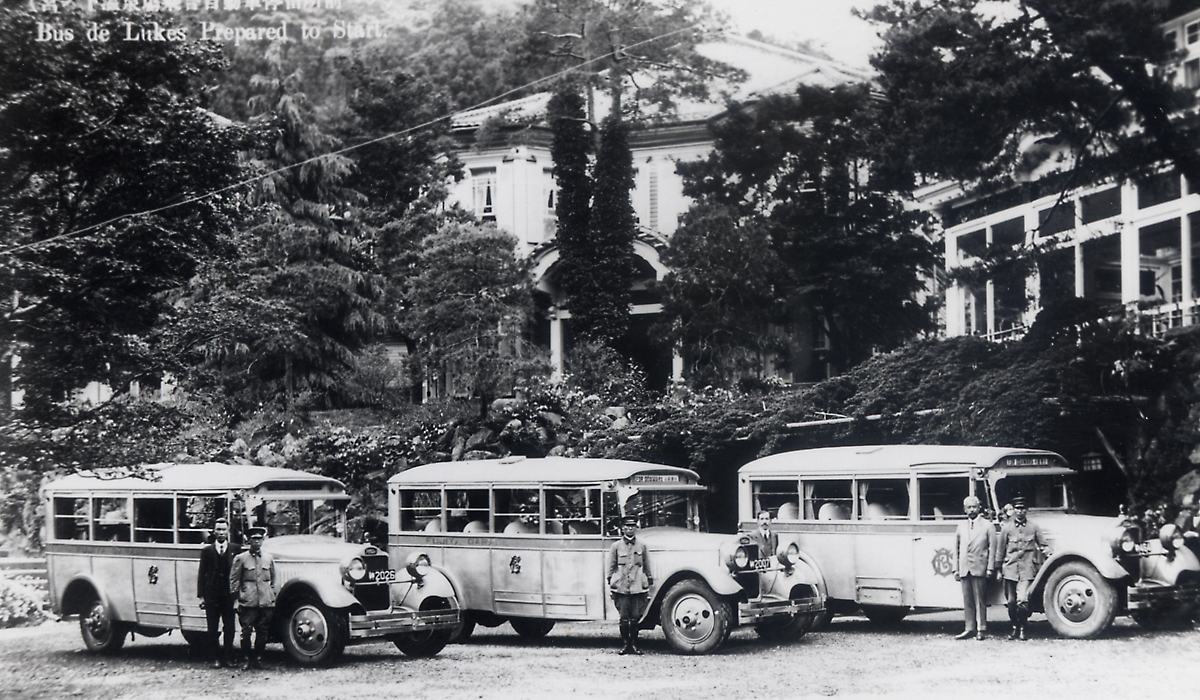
[252, 578]
[975, 563]
[1022, 545]
[212, 587]
[629, 581]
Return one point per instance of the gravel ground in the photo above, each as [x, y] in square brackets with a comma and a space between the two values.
[853, 658]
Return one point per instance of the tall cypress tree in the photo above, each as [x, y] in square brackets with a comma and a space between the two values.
[569, 151]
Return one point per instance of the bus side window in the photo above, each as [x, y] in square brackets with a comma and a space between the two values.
[467, 510]
[111, 519]
[152, 520]
[421, 510]
[828, 499]
[71, 519]
[780, 498]
[883, 499]
[941, 497]
[518, 511]
[196, 517]
[573, 511]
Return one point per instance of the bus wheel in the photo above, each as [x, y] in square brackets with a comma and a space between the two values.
[100, 632]
[464, 631]
[427, 642]
[885, 614]
[197, 640]
[694, 619]
[1078, 601]
[313, 635]
[788, 630]
[531, 628]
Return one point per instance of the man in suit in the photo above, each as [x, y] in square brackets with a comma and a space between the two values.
[974, 563]
[767, 541]
[212, 587]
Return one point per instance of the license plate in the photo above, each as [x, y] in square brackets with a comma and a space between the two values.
[385, 576]
[760, 564]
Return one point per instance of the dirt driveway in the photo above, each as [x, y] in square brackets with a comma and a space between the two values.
[918, 658]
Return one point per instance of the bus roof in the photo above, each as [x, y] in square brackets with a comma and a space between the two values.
[881, 459]
[209, 476]
[534, 470]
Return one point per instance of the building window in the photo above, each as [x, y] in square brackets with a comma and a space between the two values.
[484, 180]
[1191, 74]
[1158, 189]
[653, 199]
[1100, 205]
[1193, 32]
[1056, 219]
[1172, 39]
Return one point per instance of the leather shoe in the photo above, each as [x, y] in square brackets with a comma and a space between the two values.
[625, 650]
[218, 663]
[981, 636]
[965, 635]
[1022, 636]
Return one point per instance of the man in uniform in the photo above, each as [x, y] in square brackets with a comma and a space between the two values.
[1022, 546]
[629, 581]
[212, 587]
[974, 563]
[767, 541]
[252, 578]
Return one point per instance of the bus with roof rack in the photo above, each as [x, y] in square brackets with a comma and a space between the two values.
[123, 549]
[879, 522]
[525, 541]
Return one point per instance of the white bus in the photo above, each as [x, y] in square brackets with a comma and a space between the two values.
[122, 553]
[879, 522]
[526, 541]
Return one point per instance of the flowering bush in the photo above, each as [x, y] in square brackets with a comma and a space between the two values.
[19, 605]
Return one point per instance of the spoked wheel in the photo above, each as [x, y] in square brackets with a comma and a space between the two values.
[314, 635]
[100, 632]
[694, 619]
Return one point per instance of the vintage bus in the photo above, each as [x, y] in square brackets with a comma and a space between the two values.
[526, 541]
[880, 520]
[122, 552]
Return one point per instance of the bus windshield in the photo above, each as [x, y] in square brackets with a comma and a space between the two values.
[300, 516]
[664, 509]
[1041, 491]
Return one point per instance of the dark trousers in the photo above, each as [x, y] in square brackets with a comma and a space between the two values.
[630, 607]
[258, 621]
[220, 615]
[1016, 595]
[974, 590]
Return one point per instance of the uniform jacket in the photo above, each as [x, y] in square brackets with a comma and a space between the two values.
[975, 547]
[252, 579]
[767, 545]
[628, 569]
[1021, 550]
[212, 580]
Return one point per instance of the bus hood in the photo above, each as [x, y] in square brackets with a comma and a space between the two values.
[678, 538]
[1073, 530]
[310, 548]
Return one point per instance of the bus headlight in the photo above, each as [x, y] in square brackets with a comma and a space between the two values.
[790, 555]
[413, 566]
[1125, 541]
[354, 570]
[1170, 537]
[740, 558]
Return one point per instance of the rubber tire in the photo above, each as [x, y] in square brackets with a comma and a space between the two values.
[531, 627]
[885, 614]
[197, 640]
[429, 642]
[823, 620]
[682, 601]
[101, 634]
[464, 631]
[790, 630]
[1099, 603]
[317, 647]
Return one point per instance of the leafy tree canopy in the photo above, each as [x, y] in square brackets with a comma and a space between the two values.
[966, 81]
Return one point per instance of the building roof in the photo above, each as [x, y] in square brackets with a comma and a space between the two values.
[770, 69]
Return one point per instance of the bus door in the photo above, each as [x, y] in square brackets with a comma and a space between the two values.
[940, 510]
[574, 570]
[517, 561]
[196, 517]
[468, 555]
[112, 528]
[883, 554]
[155, 591]
[828, 531]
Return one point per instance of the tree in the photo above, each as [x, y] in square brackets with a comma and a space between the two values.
[801, 166]
[107, 162]
[719, 300]
[964, 82]
[619, 45]
[468, 304]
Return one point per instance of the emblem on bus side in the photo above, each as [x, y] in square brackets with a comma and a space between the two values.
[514, 565]
[153, 574]
[943, 562]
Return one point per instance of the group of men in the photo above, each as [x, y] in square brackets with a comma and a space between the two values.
[229, 577]
[1015, 553]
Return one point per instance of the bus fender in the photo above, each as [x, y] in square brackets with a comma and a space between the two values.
[1108, 567]
[332, 595]
[435, 583]
[815, 575]
[76, 595]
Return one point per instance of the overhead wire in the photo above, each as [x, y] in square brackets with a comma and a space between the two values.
[341, 151]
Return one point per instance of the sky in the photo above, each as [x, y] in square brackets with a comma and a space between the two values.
[828, 23]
